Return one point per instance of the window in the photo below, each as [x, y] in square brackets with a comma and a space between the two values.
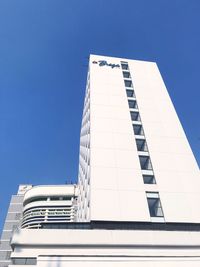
[130, 93]
[149, 179]
[155, 208]
[124, 66]
[24, 261]
[145, 163]
[126, 74]
[135, 116]
[132, 104]
[128, 83]
[141, 144]
[138, 130]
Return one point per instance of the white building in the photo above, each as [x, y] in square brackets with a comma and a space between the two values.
[12, 222]
[35, 207]
[139, 184]
[47, 205]
[135, 160]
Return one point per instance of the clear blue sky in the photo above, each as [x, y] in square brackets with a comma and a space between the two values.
[44, 45]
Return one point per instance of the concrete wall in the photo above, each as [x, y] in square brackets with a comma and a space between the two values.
[117, 190]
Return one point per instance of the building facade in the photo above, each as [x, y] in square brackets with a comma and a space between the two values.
[45, 206]
[138, 185]
[12, 222]
[135, 161]
[36, 207]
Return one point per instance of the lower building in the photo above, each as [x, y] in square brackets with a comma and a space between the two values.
[35, 207]
[87, 245]
[12, 221]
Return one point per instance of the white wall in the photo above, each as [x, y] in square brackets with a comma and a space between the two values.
[117, 189]
[108, 247]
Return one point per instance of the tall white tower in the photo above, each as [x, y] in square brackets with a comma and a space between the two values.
[135, 161]
[138, 180]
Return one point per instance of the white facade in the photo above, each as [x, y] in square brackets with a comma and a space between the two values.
[139, 184]
[85, 248]
[12, 222]
[110, 174]
[45, 205]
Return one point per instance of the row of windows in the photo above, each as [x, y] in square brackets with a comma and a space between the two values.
[153, 199]
[84, 159]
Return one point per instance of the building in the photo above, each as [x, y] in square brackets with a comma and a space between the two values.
[37, 207]
[139, 183]
[135, 161]
[47, 205]
[12, 222]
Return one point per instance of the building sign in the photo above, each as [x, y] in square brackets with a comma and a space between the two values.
[105, 63]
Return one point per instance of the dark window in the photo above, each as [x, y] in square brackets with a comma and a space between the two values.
[149, 179]
[54, 198]
[31, 261]
[138, 130]
[130, 93]
[67, 198]
[141, 145]
[145, 163]
[126, 74]
[135, 116]
[124, 66]
[24, 261]
[128, 83]
[132, 104]
[154, 204]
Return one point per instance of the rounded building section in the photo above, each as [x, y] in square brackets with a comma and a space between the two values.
[49, 206]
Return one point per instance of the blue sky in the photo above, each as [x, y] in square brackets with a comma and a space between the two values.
[44, 46]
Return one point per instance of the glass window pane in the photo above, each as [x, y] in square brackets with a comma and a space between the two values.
[124, 66]
[135, 116]
[132, 103]
[138, 130]
[128, 83]
[130, 93]
[145, 163]
[126, 74]
[149, 179]
[155, 208]
[141, 145]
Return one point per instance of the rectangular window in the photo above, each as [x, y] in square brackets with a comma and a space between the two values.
[132, 104]
[130, 93]
[154, 204]
[126, 74]
[135, 116]
[128, 83]
[138, 130]
[141, 144]
[145, 163]
[149, 179]
[124, 66]
[24, 261]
